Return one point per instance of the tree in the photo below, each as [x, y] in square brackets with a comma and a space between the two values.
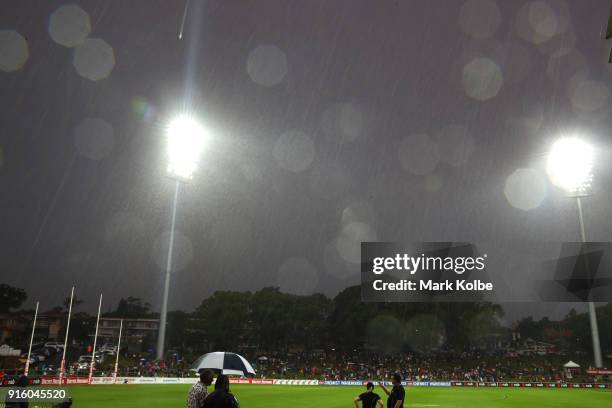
[222, 319]
[179, 333]
[470, 323]
[310, 320]
[82, 327]
[272, 319]
[11, 297]
[348, 316]
[581, 329]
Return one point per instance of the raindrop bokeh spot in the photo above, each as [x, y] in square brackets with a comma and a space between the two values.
[542, 19]
[294, 151]
[349, 242]
[94, 59]
[589, 95]
[13, 50]
[69, 25]
[482, 78]
[342, 122]
[267, 65]
[525, 189]
[563, 66]
[358, 210]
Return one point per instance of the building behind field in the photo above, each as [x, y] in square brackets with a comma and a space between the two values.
[135, 333]
[17, 326]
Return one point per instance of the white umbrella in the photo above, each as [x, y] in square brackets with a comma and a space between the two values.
[224, 363]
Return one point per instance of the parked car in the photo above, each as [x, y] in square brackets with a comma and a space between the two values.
[108, 348]
[50, 369]
[83, 365]
[86, 358]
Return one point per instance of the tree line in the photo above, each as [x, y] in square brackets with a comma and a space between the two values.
[269, 319]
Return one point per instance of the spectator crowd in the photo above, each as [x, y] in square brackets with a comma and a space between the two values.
[439, 366]
[362, 365]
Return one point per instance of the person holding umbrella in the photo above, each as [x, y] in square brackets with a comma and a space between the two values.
[198, 391]
[221, 397]
[224, 363]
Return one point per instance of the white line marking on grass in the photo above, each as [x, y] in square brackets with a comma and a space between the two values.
[423, 405]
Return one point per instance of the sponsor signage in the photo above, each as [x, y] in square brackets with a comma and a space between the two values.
[343, 383]
[65, 380]
[527, 385]
[440, 384]
[251, 381]
[261, 382]
[295, 382]
[7, 382]
[420, 384]
[600, 372]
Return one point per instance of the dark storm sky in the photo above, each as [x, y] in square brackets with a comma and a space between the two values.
[490, 84]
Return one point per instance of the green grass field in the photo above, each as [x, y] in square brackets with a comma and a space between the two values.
[260, 396]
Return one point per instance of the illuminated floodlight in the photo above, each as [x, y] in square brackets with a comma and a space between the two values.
[185, 138]
[570, 165]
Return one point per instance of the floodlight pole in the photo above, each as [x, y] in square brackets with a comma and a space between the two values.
[592, 310]
[161, 338]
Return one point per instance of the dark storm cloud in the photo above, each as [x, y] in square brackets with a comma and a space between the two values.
[415, 113]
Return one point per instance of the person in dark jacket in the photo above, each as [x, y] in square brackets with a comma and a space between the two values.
[369, 399]
[221, 397]
[397, 395]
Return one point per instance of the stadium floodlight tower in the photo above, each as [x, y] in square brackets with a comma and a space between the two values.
[185, 139]
[570, 166]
